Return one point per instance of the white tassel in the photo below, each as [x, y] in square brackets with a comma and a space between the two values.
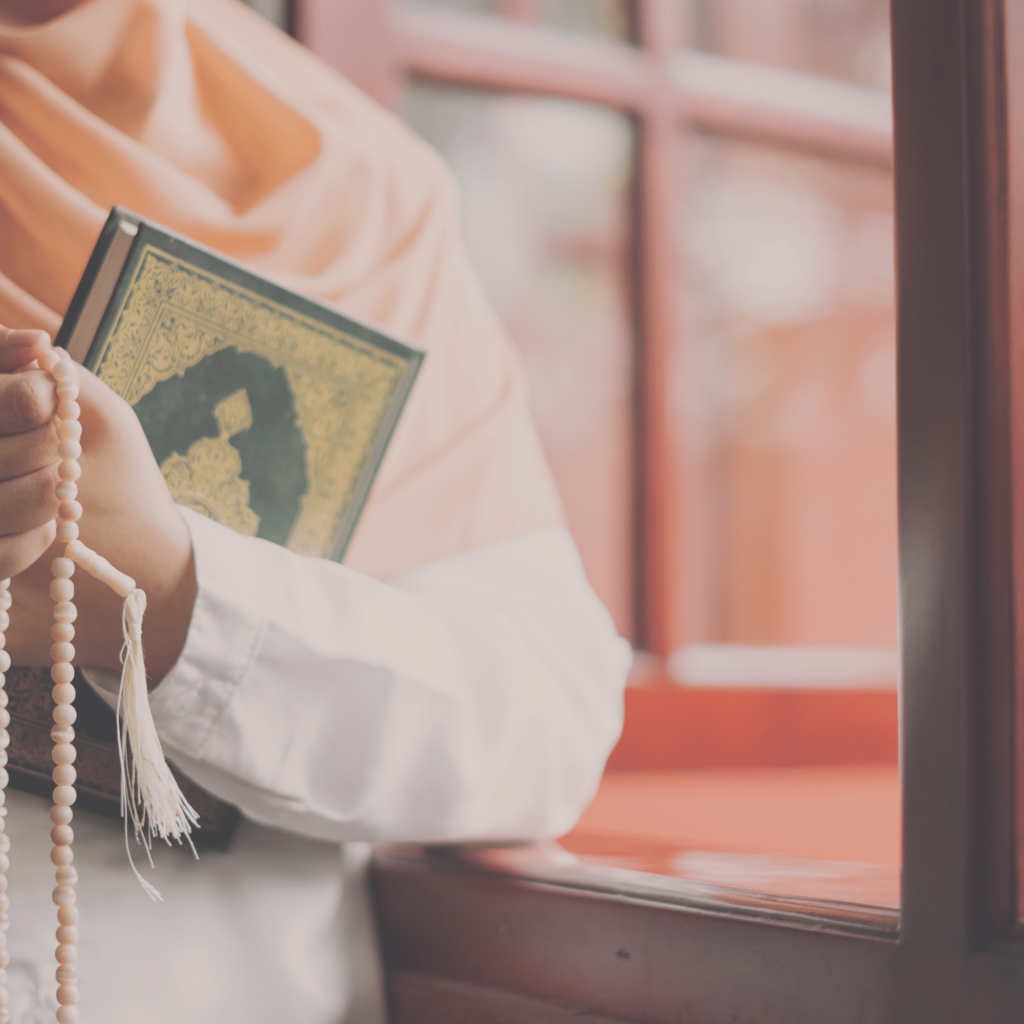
[149, 792]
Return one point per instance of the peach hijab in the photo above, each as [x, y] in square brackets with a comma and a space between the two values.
[200, 115]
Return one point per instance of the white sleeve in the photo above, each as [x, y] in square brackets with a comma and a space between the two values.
[476, 697]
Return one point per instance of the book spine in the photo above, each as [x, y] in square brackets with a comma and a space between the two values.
[92, 268]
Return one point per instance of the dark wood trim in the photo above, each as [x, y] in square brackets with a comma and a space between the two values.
[487, 946]
[620, 872]
[428, 999]
[617, 955]
[955, 525]
[938, 514]
[1013, 44]
[995, 911]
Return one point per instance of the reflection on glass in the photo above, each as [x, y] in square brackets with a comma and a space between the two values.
[544, 186]
[610, 19]
[785, 401]
[846, 39]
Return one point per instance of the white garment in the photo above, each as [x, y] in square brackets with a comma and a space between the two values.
[475, 697]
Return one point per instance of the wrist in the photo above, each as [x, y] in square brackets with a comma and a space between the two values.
[170, 599]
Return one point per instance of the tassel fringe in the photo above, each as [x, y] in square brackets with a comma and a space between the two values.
[150, 795]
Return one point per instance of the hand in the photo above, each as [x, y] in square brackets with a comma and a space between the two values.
[129, 517]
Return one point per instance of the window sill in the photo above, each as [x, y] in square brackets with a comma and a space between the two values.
[604, 925]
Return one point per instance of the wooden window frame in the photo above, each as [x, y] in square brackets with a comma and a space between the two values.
[476, 935]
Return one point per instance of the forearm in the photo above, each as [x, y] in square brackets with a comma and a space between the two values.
[476, 697]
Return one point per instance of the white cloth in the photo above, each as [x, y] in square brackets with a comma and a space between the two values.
[475, 697]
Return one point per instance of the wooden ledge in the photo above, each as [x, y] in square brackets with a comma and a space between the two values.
[524, 934]
[840, 896]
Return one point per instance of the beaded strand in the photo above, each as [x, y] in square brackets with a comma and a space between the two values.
[62, 590]
[150, 795]
[5, 839]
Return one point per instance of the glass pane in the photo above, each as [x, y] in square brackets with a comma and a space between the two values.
[609, 19]
[846, 39]
[786, 407]
[545, 194]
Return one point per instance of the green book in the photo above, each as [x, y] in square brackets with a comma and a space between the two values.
[265, 410]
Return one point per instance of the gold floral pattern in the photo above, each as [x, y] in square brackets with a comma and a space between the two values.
[208, 477]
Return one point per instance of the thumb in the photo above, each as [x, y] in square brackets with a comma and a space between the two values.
[20, 347]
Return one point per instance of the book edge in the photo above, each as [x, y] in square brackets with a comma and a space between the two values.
[362, 492]
[240, 274]
[85, 283]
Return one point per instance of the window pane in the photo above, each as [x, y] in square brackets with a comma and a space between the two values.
[847, 39]
[610, 19]
[785, 402]
[545, 196]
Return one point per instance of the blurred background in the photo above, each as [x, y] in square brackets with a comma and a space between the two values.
[682, 210]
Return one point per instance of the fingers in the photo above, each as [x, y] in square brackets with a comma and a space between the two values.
[28, 504]
[19, 551]
[28, 501]
[20, 347]
[25, 453]
[27, 401]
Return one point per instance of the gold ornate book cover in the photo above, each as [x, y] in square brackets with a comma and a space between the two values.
[265, 410]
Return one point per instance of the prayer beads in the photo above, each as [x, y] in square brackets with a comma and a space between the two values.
[150, 795]
[5, 842]
[62, 590]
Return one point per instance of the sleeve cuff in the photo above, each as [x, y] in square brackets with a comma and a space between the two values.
[228, 622]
